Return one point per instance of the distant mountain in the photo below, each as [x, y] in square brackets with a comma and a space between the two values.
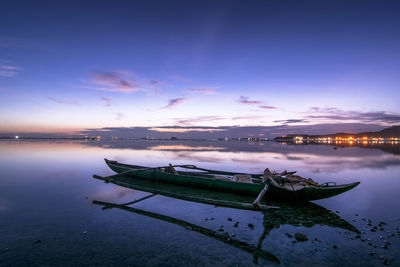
[393, 131]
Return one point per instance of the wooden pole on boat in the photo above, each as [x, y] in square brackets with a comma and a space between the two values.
[173, 169]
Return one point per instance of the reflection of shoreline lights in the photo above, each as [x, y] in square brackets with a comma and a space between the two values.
[349, 139]
[298, 138]
[349, 142]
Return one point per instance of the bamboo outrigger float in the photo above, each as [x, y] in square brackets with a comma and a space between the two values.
[272, 186]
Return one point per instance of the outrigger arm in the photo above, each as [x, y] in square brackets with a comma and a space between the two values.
[256, 202]
[267, 175]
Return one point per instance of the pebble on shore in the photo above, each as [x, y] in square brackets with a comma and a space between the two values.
[300, 237]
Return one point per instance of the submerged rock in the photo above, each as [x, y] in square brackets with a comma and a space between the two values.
[300, 237]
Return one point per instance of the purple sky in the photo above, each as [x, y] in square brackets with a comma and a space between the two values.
[73, 65]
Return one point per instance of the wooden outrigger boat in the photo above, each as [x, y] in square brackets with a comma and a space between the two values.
[283, 186]
[296, 214]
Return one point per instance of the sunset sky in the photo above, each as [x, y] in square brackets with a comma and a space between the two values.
[73, 65]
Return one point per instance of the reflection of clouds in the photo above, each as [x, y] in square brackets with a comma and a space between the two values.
[293, 158]
[276, 161]
[183, 147]
[198, 157]
[233, 155]
[337, 163]
[115, 193]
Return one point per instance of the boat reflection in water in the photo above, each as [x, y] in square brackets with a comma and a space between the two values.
[305, 214]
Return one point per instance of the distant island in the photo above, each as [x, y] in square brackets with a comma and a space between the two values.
[387, 134]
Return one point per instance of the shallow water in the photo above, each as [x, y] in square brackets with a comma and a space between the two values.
[47, 190]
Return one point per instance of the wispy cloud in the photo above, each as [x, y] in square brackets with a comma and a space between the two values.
[175, 102]
[108, 101]
[9, 70]
[156, 82]
[113, 81]
[206, 91]
[247, 117]
[63, 102]
[190, 121]
[267, 107]
[185, 129]
[291, 121]
[245, 100]
[342, 115]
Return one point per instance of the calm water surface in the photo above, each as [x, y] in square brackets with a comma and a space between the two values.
[47, 193]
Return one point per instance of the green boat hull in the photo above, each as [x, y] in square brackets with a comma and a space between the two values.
[214, 184]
